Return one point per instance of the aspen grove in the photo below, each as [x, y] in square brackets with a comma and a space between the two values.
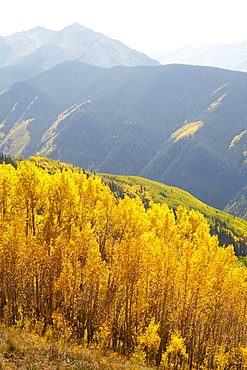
[77, 264]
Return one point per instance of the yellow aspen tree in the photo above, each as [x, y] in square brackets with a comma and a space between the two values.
[82, 285]
[149, 342]
[30, 194]
[162, 293]
[11, 242]
[175, 355]
[126, 250]
[7, 217]
[7, 185]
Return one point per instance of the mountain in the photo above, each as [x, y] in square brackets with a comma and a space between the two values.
[24, 54]
[80, 43]
[232, 56]
[181, 125]
[20, 44]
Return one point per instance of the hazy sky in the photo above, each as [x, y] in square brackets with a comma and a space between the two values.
[144, 25]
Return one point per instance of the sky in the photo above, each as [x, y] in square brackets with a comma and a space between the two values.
[144, 25]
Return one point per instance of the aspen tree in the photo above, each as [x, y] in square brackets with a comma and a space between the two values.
[7, 187]
[162, 295]
[125, 265]
[149, 342]
[30, 194]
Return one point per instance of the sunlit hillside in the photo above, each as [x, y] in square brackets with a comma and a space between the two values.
[228, 228]
[80, 265]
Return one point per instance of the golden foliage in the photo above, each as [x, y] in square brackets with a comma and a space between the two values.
[187, 130]
[18, 137]
[215, 104]
[77, 264]
[237, 138]
[221, 87]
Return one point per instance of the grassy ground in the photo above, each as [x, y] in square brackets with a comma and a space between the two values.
[25, 351]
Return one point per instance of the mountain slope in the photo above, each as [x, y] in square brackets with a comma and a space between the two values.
[174, 124]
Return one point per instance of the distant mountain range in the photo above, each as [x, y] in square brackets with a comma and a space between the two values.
[181, 125]
[232, 56]
[26, 53]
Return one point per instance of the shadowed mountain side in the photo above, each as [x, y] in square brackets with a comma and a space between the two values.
[175, 124]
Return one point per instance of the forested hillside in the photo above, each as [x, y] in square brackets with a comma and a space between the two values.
[228, 228]
[75, 262]
[181, 125]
